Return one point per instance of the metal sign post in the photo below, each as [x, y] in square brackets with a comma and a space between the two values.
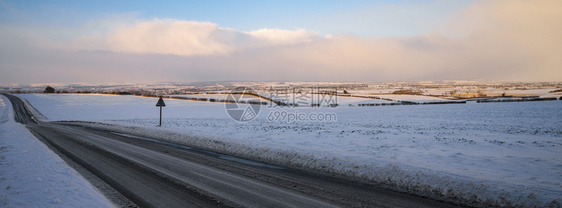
[160, 104]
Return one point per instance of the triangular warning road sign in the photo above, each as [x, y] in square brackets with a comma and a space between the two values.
[160, 103]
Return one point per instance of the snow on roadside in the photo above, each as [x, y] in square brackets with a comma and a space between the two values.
[33, 176]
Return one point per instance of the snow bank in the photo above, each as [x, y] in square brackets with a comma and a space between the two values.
[34, 176]
[497, 154]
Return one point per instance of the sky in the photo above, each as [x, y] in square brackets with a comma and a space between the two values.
[184, 41]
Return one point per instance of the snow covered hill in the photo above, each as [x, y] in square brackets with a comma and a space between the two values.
[503, 154]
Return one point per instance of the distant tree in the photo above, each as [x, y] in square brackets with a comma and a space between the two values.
[480, 94]
[49, 89]
[345, 92]
[452, 92]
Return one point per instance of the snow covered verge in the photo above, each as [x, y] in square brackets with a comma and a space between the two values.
[495, 154]
[31, 175]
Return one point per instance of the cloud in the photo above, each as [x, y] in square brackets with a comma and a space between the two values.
[283, 37]
[189, 38]
[171, 37]
[512, 39]
[186, 38]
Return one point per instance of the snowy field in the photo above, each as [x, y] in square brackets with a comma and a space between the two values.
[538, 92]
[492, 153]
[411, 97]
[346, 101]
[218, 97]
[386, 93]
[33, 176]
[307, 100]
